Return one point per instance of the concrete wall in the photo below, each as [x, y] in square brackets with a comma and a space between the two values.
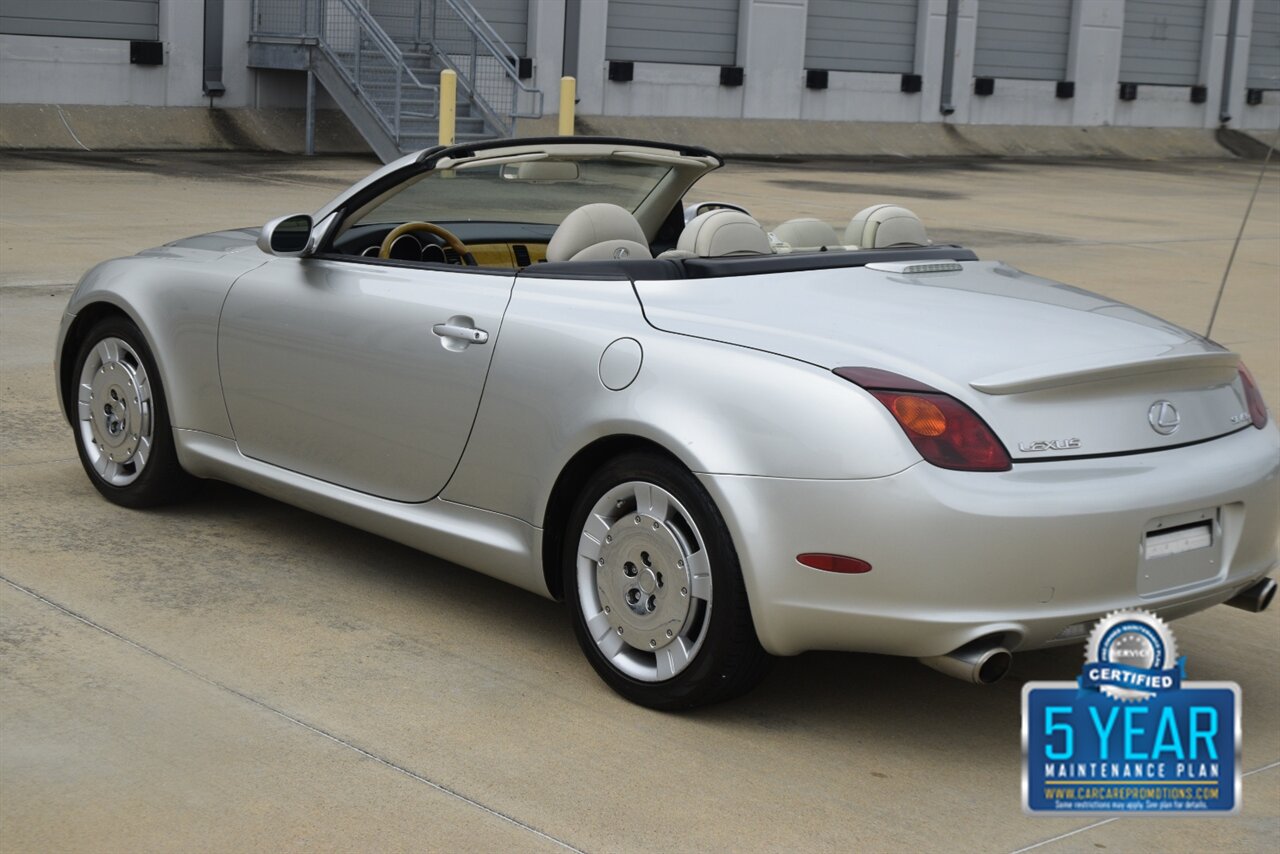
[771, 43]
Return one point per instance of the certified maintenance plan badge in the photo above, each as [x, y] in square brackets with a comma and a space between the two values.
[1130, 736]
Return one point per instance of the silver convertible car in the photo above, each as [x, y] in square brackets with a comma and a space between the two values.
[717, 442]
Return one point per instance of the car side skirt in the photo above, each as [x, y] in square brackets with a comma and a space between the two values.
[494, 544]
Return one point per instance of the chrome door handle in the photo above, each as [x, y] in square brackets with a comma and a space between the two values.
[459, 332]
[462, 333]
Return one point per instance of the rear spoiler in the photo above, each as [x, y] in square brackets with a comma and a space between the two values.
[1107, 367]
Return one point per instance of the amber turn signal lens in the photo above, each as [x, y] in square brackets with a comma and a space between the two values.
[919, 415]
[947, 433]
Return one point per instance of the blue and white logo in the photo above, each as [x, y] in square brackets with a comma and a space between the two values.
[1131, 655]
[1131, 735]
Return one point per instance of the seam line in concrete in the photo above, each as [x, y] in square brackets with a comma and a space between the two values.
[36, 463]
[1069, 833]
[439, 787]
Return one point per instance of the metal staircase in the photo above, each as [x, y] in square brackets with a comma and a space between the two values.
[383, 70]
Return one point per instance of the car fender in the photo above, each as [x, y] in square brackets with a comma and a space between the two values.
[175, 305]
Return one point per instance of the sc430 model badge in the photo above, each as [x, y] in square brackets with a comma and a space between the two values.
[1131, 735]
[1049, 445]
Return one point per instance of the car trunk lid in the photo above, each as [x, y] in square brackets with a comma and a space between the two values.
[1056, 371]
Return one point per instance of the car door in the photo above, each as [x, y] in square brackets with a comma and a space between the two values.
[364, 375]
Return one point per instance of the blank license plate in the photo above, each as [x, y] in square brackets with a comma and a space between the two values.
[1184, 538]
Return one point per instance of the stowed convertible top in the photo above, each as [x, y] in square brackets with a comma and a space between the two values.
[658, 269]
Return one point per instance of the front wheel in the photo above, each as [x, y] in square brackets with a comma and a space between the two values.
[655, 590]
[121, 423]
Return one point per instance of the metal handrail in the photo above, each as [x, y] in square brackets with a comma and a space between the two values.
[497, 46]
[497, 50]
[368, 28]
[370, 25]
[487, 67]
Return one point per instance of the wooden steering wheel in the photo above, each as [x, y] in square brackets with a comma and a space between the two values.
[431, 228]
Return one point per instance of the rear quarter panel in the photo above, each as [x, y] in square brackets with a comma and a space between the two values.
[719, 408]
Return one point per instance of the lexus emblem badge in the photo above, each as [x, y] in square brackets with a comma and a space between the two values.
[1164, 417]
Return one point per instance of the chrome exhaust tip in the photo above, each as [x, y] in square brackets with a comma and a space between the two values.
[980, 662]
[1256, 597]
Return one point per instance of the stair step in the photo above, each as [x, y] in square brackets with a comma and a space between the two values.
[383, 88]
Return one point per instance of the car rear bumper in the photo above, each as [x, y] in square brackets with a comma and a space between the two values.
[1032, 555]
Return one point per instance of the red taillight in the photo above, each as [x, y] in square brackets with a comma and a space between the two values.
[1253, 399]
[947, 433]
[833, 563]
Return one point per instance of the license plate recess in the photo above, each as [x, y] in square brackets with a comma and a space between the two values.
[1180, 550]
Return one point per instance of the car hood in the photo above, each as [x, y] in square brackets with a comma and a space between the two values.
[206, 246]
[1056, 370]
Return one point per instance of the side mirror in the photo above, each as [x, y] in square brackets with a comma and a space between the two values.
[286, 235]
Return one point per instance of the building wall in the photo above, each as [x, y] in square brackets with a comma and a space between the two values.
[53, 70]
[771, 50]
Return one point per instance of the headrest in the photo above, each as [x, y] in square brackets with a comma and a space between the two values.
[807, 233]
[591, 224]
[724, 232]
[885, 225]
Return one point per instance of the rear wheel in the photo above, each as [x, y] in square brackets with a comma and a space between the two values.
[121, 423]
[655, 590]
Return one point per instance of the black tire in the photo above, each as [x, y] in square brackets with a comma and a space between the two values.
[608, 589]
[127, 452]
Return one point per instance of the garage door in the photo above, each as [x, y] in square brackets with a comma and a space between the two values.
[1264, 46]
[87, 19]
[699, 33]
[1162, 42]
[1023, 39]
[861, 35]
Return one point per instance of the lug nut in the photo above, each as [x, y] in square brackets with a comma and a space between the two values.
[619, 629]
[684, 591]
[670, 633]
[652, 643]
[655, 526]
[637, 520]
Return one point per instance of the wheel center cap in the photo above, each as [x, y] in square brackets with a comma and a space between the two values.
[640, 576]
[115, 411]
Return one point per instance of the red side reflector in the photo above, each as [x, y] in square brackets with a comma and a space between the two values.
[833, 563]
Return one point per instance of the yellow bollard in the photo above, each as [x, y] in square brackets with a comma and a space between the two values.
[568, 91]
[448, 105]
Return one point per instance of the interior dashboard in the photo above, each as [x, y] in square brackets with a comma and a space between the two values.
[493, 244]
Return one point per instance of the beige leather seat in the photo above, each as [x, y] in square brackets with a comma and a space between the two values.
[718, 233]
[598, 232]
[880, 226]
[808, 235]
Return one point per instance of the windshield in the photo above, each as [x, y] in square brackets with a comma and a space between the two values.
[541, 191]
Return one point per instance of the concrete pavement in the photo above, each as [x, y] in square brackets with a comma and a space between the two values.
[234, 674]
